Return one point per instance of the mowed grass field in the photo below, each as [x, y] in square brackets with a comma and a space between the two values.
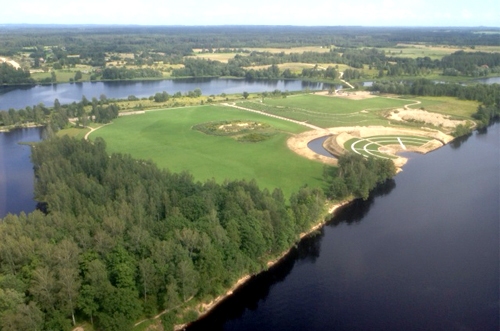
[454, 107]
[167, 138]
[325, 111]
[369, 146]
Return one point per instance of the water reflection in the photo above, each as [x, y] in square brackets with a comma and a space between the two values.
[457, 142]
[248, 296]
[356, 210]
[257, 289]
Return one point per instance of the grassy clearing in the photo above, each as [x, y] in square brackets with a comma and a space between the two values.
[221, 57]
[167, 138]
[462, 109]
[328, 111]
[62, 76]
[78, 133]
[433, 51]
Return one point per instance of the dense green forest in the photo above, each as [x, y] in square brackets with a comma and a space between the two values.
[11, 76]
[123, 239]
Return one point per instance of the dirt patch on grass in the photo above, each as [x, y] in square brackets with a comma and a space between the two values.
[351, 95]
[423, 116]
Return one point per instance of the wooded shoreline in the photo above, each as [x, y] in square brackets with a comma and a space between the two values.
[212, 305]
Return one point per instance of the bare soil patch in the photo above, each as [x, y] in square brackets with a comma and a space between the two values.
[351, 95]
[423, 116]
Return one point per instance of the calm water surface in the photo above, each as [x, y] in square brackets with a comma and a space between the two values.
[16, 171]
[421, 254]
[66, 93]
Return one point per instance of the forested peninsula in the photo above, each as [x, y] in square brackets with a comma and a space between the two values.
[122, 239]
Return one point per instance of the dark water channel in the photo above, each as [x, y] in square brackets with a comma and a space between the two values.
[16, 171]
[421, 254]
[20, 97]
[316, 146]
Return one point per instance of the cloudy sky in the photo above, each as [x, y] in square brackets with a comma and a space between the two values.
[255, 12]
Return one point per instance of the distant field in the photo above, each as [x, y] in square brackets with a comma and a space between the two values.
[167, 138]
[326, 111]
[277, 50]
[221, 57]
[290, 50]
[434, 51]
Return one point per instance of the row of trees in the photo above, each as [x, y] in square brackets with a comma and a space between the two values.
[356, 176]
[113, 73]
[12, 76]
[94, 42]
[102, 110]
[204, 68]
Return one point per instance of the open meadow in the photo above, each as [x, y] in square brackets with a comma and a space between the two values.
[167, 138]
[222, 142]
[327, 111]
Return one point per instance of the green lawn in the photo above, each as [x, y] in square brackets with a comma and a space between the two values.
[78, 133]
[462, 109]
[167, 138]
[326, 111]
[368, 146]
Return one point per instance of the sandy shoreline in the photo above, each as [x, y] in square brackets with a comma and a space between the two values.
[205, 309]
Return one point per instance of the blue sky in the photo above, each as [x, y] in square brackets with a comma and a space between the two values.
[255, 12]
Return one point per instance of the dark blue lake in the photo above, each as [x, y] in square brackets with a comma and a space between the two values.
[421, 254]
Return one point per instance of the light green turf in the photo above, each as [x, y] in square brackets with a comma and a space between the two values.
[377, 141]
[326, 111]
[166, 138]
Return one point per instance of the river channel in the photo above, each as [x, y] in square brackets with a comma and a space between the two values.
[20, 97]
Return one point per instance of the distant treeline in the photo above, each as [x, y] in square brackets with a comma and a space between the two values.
[180, 41]
[12, 76]
[124, 73]
[102, 110]
[472, 64]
